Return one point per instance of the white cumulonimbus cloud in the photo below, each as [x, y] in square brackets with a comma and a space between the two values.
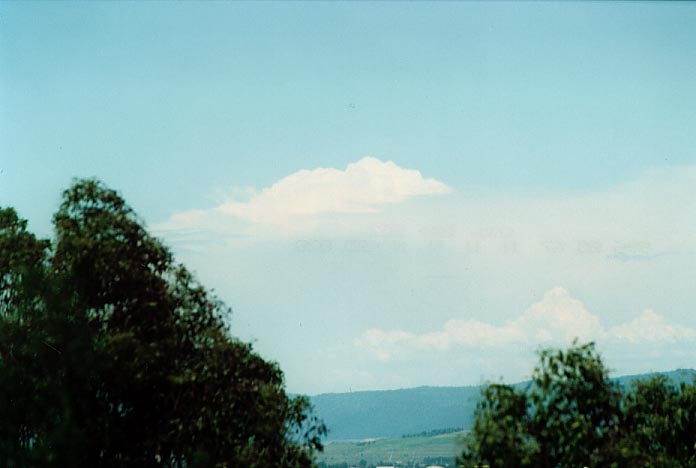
[364, 186]
[650, 327]
[557, 319]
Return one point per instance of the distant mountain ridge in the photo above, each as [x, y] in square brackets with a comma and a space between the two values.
[393, 413]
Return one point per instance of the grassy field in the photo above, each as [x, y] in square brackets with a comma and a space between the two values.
[407, 451]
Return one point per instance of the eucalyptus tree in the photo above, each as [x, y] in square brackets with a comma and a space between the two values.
[113, 354]
[572, 414]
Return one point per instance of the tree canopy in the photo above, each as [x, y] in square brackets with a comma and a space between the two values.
[573, 415]
[112, 354]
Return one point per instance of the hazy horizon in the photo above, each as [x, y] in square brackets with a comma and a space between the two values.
[388, 195]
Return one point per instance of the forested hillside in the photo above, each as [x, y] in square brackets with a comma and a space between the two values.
[393, 413]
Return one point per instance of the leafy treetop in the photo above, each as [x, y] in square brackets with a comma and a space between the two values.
[573, 415]
[112, 354]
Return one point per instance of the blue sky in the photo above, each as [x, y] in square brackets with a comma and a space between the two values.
[496, 177]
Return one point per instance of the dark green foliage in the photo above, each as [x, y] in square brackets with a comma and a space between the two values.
[572, 415]
[575, 408]
[111, 354]
[499, 435]
[662, 421]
